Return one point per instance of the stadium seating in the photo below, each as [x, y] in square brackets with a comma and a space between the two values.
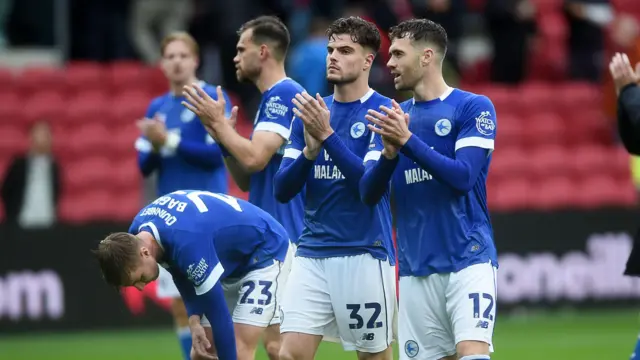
[556, 157]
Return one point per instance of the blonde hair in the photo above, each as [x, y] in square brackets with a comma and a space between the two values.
[183, 36]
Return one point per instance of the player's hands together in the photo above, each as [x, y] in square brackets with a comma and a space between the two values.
[312, 147]
[393, 125]
[154, 130]
[622, 72]
[211, 112]
[315, 115]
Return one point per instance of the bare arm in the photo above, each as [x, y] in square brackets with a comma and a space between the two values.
[253, 155]
[241, 177]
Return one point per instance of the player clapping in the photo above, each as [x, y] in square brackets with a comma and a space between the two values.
[436, 149]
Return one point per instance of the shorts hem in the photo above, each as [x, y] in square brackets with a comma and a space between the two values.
[471, 337]
[251, 323]
[301, 331]
[371, 350]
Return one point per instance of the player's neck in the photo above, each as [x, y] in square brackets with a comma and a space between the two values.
[352, 91]
[432, 87]
[151, 243]
[270, 76]
[176, 88]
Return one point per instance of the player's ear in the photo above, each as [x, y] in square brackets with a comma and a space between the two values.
[264, 51]
[368, 61]
[428, 56]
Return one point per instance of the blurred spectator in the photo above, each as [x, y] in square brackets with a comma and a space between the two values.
[449, 14]
[308, 60]
[151, 20]
[31, 188]
[587, 20]
[510, 23]
[5, 10]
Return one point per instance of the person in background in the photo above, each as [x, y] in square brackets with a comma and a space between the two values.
[176, 146]
[31, 188]
[308, 59]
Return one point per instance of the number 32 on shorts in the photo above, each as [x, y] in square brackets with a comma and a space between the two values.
[372, 323]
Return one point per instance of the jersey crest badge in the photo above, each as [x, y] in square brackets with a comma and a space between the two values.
[443, 127]
[357, 130]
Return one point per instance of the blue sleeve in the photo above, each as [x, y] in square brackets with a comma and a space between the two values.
[205, 154]
[378, 172]
[148, 161]
[349, 163]
[476, 133]
[197, 261]
[294, 168]
[277, 111]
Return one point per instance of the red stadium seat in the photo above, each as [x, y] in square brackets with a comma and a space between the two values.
[128, 107]
[36, 79]
[13, 140]
[91, 139]
[82, 77]
[620, 163]
[600, 191]
[545, 129]
[511, 129]
[510, 162]
[550, 161]
[554, 193]
[589, 159]
[125, 175]
[87, 173]
[88, 107]
[7, 82]
[48, 106]
[129, 203]
[86, 207]
[513, 194]
[124, 139]
[128, 76]
[11, 110]
[537, 97]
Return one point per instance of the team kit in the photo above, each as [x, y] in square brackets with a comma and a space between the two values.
[310, 256]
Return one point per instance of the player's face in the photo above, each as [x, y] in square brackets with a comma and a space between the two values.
[346, 59]
[405, 64]
[179, 63]
[145, 271]
[247, 59]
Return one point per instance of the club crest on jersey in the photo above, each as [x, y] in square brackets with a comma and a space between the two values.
[274, 108]
[443, 127]
[187, 115]
[411, 348]
[485, 124]
[357, 130]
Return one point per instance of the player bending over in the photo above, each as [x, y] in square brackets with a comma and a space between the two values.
[225, 256]
[262, 49]
[438, 165]
[177, 148]
[342, 282]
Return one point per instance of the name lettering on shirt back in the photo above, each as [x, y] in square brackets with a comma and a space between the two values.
[327, 171]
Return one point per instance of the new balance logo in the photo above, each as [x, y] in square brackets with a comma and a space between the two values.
[368, 336]
[256, 310]
[482, 324]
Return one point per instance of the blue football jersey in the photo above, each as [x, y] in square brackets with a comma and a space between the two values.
[336, 222]
[196, 162]
[208, 237]
[274, 115]
[440, 229]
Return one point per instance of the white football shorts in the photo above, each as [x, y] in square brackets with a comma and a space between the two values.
[255, 298]
[348, 299]
[438, 311]
[166, 287]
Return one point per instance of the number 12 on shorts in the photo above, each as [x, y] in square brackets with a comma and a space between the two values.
[372, 323]
[476, 297]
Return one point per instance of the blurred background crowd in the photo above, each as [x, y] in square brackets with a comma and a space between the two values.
[88, 70]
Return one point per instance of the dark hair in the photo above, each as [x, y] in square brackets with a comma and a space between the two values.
[269, 29]
[421, 30]
[361, 31]
[117, 255]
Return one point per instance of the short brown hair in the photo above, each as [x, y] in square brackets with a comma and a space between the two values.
[421, 30]
[361, 31]
[117, 255]
[180, 36]
[269, 29]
